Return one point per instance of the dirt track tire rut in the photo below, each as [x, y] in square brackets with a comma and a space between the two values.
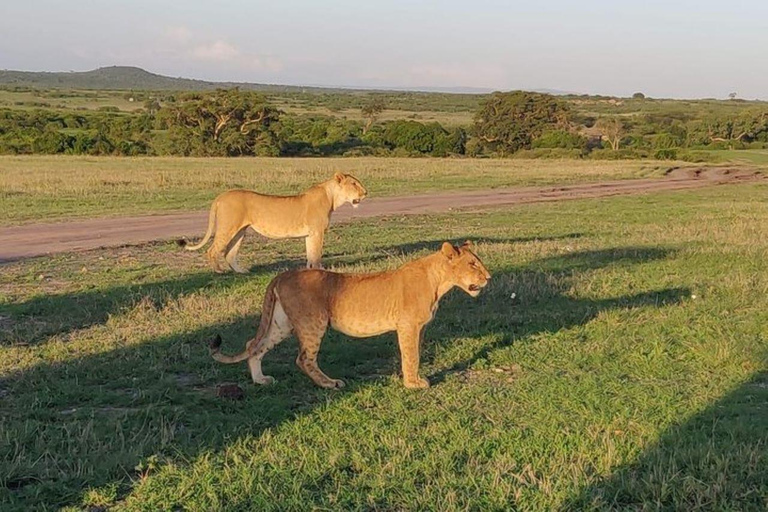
[26, 241]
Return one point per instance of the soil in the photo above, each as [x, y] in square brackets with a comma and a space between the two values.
[30, 240]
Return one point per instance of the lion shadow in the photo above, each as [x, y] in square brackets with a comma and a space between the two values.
[715, 460]
[39, 318]
[118, 414]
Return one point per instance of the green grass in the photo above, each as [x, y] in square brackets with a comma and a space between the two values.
[36, 188]
[628, 372]
[744, 156]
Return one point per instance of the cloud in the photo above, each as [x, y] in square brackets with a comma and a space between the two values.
[216, 51]
[178, 34]
[476, 75]
[266, 63]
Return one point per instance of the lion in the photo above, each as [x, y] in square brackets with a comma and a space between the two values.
[306, 215]
[305, 301]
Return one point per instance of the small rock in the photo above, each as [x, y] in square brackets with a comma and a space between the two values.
[231, 391]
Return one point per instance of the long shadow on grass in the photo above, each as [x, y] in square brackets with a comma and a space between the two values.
[89, 421]
[716, 460]
[36, 320]
[534, 299]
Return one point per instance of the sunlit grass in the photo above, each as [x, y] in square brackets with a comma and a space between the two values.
[59, 187]
[627, 372]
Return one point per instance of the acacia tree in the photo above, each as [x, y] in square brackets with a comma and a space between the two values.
[731, 130]
[224, 122]
[509, 121]
[214, 112]
[151, 105]
[371, 112]
[612, 129]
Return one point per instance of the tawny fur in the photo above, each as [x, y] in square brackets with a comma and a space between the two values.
[305, 216]
[304, 302]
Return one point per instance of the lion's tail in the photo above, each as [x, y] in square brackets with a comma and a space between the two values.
[267, 313]
[209, 233]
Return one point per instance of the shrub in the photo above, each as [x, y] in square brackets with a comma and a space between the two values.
[562, 139]
[510, 121]
[665, 154]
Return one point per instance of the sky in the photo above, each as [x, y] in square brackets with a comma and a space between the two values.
[672, 48]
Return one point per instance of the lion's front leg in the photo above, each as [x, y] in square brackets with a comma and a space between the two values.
[408, 337]
[315, 249]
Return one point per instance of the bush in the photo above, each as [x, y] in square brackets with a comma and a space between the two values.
[665, 154]
[561, 139]
[414, 138]
[667, 141]
[699, 156]
[620, 154]
[510, 121]
[550, 153]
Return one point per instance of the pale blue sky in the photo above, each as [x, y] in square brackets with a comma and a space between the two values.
[673, 48]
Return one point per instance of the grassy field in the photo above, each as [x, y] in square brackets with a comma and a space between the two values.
[50, 187]
[745, 156]
[628, 371]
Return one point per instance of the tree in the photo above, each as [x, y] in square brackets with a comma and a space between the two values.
[414, 137]
[638, 96]
[371, 112]
[747, 126]
[612, 130]
[212, 113]
[732, 96]
[225, 122]
[151, 105]
[509, 121]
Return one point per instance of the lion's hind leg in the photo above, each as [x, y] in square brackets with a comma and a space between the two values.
[310, 337]
[231, 251]
[279, 329]
[221, 244]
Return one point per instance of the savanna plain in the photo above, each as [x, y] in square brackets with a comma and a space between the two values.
[616, 361]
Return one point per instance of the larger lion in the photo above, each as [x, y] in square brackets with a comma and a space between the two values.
[306, 215]
[304, 302]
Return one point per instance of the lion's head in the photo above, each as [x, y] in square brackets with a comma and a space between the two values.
[348, 189]
[465, 269]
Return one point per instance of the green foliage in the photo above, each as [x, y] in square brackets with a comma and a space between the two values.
[222, 123]
[562, 139]
[317, 135]
[665, 154]
[508, 122]
[287, 122]
[638, 96]
[371, 111]
[412, 137]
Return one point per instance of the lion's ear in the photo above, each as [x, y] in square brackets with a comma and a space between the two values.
[448, 250]
[468, 245]
[338, 177]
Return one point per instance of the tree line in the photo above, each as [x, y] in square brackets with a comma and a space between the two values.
[242, 123]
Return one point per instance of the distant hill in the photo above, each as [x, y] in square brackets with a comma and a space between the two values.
[126, 78]
[133, 78]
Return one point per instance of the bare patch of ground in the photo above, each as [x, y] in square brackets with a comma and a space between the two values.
[19, 242]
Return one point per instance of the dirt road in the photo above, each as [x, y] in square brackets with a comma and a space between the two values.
[19, 242]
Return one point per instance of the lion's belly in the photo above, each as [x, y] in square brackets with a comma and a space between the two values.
[277, 217]
[279, 231]
[363, 327]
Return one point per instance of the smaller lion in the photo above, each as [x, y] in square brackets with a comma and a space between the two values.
[306, 215]
[304, 302]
